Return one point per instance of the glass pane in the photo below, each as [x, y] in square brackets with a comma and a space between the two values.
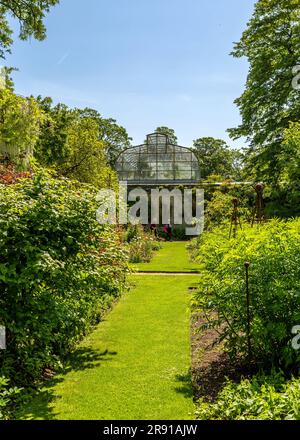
[155, 160]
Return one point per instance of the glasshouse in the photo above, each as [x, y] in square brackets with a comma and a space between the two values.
[158, 161]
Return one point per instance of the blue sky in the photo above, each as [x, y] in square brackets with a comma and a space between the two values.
[145, 63]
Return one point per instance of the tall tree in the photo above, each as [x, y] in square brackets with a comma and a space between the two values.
[216, 157]
[114, 137]
[29, 13]
[79, 143]
[271, 43]
[286, 200]
[87, 160]
[20, 122]
[51, 148]
[169, 132]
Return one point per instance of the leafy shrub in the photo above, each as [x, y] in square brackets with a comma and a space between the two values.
[262, 397]
[155, 245]
[218, 209]
[219, 206]
[133, 232]
[273, 251]
[141, 244]
[7, 397]
[59, 271]
[140, 251]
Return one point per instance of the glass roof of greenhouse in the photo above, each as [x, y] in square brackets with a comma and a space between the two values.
[158, 162]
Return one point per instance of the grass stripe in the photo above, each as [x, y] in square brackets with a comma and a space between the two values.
[173, 257]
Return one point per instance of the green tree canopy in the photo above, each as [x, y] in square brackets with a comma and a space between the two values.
[29, 13]
[52, 148]
[290, 155]
[114, 137]
[287, 195]
[169, 132]
[79, 143]
[216, 157]
[271, 43]
[87, 160]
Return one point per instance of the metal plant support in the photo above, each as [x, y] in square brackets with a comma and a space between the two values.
[259, 209]
[235, 218]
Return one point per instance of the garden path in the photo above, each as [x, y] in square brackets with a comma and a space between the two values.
[136, 363]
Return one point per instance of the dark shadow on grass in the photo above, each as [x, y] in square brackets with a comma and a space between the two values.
[185, 385]
[38, 405]
[85, 358]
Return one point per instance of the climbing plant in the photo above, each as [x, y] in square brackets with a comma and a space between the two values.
[20, 120]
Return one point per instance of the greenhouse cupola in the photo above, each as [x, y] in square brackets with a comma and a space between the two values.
[158, 162]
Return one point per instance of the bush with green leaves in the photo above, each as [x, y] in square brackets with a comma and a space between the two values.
[219, 203]
[8, 397]
[259, 398]
[60, 270]
[140, 244]
[133, 232]
[273, 251]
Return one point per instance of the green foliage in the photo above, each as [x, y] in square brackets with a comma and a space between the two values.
[133, 232]
[51, 148]
[261, 398]
[273, 251]
[271, 43]
[80, 144]
[216, 157]
[140, 251]
[30, 15]
[218, 209]
[285, 197]
[169, 132]
[7, 397]
[141, 244]
[113, 136]
[19, 128]
[87, 161]
[59, 271]
[178, 233]
[290, 155]
[219, 203]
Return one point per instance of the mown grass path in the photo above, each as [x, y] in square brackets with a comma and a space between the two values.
[135, 365]
[173, 257]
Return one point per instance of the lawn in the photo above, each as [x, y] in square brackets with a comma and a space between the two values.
[136, 364]
[172, 258]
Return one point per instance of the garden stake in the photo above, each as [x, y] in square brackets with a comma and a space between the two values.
[247, 265]
[235, 218]
[258, 212]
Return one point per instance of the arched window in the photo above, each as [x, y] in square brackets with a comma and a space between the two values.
[158, 161]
